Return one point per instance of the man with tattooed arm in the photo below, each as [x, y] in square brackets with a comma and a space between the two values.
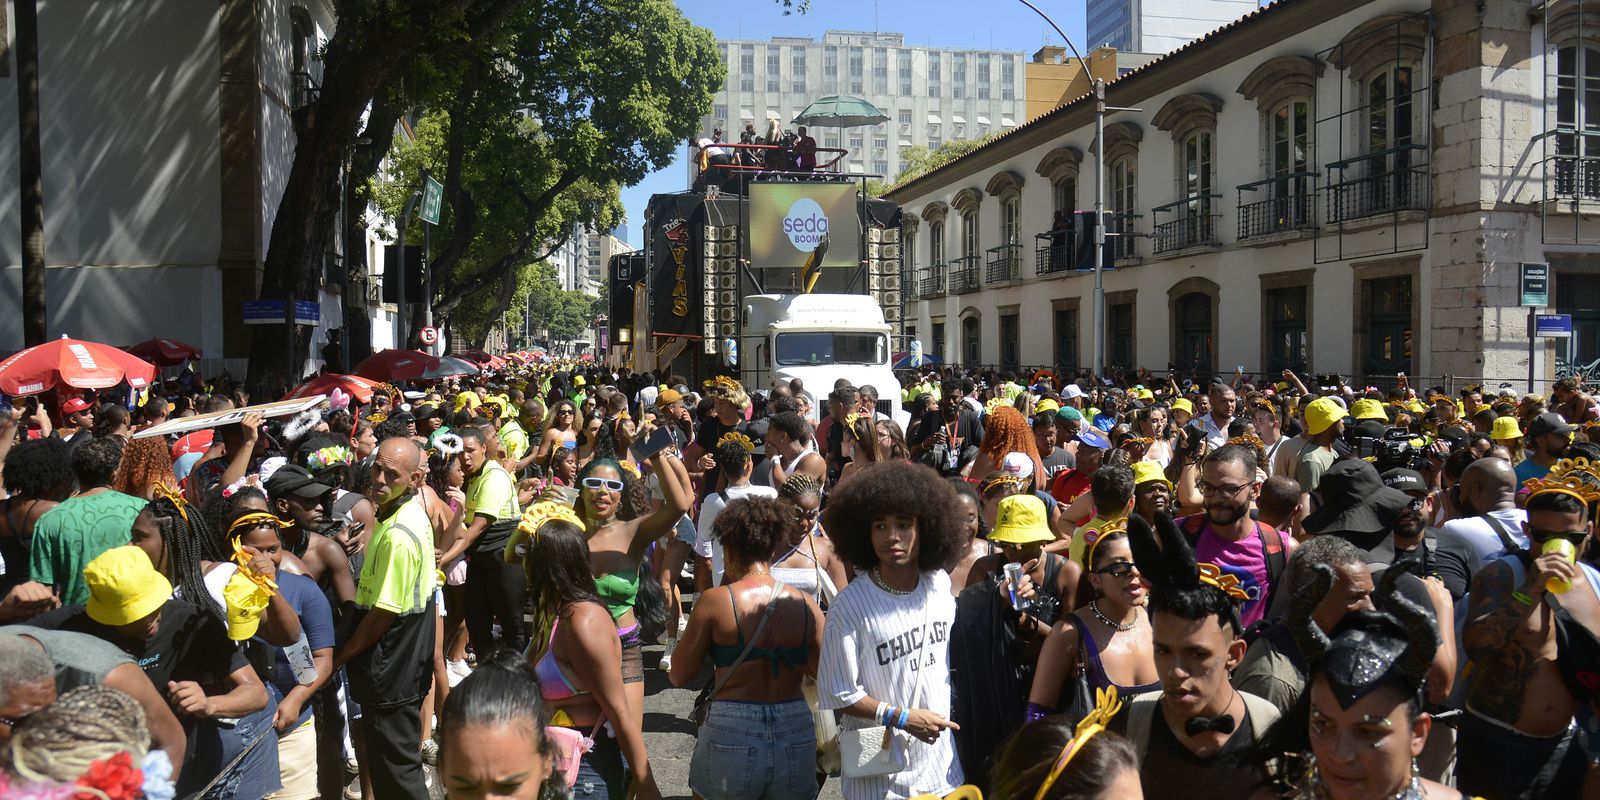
[1531, 635]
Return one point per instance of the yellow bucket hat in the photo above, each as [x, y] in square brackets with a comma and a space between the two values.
[1147, 471]
[124, 586]
[1369, 409]
[1183, 404]
[1022, 520]
[1505, 429]
[1322, 413]
[245, 600]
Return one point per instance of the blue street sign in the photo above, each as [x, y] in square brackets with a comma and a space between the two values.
[1553, 326]
[270, 312]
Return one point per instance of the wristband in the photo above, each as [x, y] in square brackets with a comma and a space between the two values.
[889, 715]
[878, 715]
[905, 715]
[1524, 599]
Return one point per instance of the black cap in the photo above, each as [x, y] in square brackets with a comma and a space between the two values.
[293, 479]
[1549, 422]
[1405, 480]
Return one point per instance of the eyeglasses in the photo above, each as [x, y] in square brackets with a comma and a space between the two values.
[609, 484]
[1540, 537]
[1226, 491]
[1120, 569]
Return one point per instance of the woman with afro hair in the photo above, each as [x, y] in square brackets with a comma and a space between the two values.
[885, 647]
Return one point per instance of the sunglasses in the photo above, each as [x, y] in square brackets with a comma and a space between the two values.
[609, 484]
[808, 515]
[1540, 537]
[1120, 569]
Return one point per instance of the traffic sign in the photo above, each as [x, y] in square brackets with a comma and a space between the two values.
[1535, 284]
[429, 335]
[271, 312]
[432, 199]
[1553, 326]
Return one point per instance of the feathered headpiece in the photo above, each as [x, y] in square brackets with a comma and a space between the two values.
[301, 425]
[1368, 648]
[1106, 707]
[1169, 564]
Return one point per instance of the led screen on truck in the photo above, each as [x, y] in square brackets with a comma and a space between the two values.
[788, 220]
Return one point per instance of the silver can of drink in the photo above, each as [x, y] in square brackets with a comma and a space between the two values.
[1013, 578]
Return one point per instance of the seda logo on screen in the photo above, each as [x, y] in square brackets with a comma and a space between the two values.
[806, 225]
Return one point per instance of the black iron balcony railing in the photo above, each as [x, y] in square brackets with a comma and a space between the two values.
[1290, 205]
[930, 281]
[964, 275]
[1384, 182]
[1574, 171]
[1122, 234]
[1193, 224]
[1003, 264]
[1054, 251]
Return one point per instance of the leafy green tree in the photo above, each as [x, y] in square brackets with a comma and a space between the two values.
[541, 108]
[917, 160]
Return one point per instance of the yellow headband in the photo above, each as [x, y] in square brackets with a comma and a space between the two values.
[256, 518]
[241, 558]
[163, 490]
[1575, 477]
[1212, 575]
[1248, 440]
[1114, 526]
[1106, 706]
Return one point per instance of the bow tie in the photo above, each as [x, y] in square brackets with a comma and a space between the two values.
[1198, 725]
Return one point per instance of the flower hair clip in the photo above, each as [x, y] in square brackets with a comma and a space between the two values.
[735, 437]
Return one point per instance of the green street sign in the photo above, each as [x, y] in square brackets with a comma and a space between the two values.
[432, 200]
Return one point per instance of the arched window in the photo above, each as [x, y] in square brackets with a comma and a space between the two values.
[971, 340]
[1577, 121]
[1011, 221]
[969, 234]
[1192, 328]
[936, 243]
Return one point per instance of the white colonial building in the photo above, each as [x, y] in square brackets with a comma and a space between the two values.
[1341, 187]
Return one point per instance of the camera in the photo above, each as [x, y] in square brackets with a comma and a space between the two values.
[1394, 449]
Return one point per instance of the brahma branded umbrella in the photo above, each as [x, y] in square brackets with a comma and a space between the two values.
[396, 365]
[164, 352]
[75, 363]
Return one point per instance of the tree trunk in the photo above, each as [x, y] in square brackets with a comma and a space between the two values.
[31, 175]
[362, 57]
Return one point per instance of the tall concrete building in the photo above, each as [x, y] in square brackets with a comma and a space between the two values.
[598, 249]
[1158, 26]
[931, 94]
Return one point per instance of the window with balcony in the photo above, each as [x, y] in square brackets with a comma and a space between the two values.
[1577, 138]
[1281, 201]
[302, 49]
[964, 269]
[1190, 220]
[1382, 121]
[1003, 261]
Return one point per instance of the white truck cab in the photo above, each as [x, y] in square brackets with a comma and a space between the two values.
[819, 338]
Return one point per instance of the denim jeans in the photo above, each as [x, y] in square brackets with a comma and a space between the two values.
[216, 743]
[603, 772]
[756, 750]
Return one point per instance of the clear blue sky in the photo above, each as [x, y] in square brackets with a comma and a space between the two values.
[979, 24]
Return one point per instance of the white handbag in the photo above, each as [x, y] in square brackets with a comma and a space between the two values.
[871, 752]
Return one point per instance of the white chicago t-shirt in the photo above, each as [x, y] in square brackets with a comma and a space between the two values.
[893, 648]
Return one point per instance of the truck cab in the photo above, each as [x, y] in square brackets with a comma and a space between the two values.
[819, 338]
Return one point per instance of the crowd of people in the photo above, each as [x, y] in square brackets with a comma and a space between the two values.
[1038, 587]
[777, 151]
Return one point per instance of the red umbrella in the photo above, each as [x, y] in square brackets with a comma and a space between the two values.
[164, 352]
[482, 359]
[356, 386]
[83, 365]
[396, 365]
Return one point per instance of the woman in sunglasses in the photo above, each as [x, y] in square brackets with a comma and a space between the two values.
[1108, 636]
[617, 546]
[805, 556]
[561, 429]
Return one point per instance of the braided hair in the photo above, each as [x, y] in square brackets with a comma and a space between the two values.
[189, 540]
[799, 485]
[85, 725]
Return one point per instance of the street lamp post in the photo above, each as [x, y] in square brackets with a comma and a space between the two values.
[1098, 303]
